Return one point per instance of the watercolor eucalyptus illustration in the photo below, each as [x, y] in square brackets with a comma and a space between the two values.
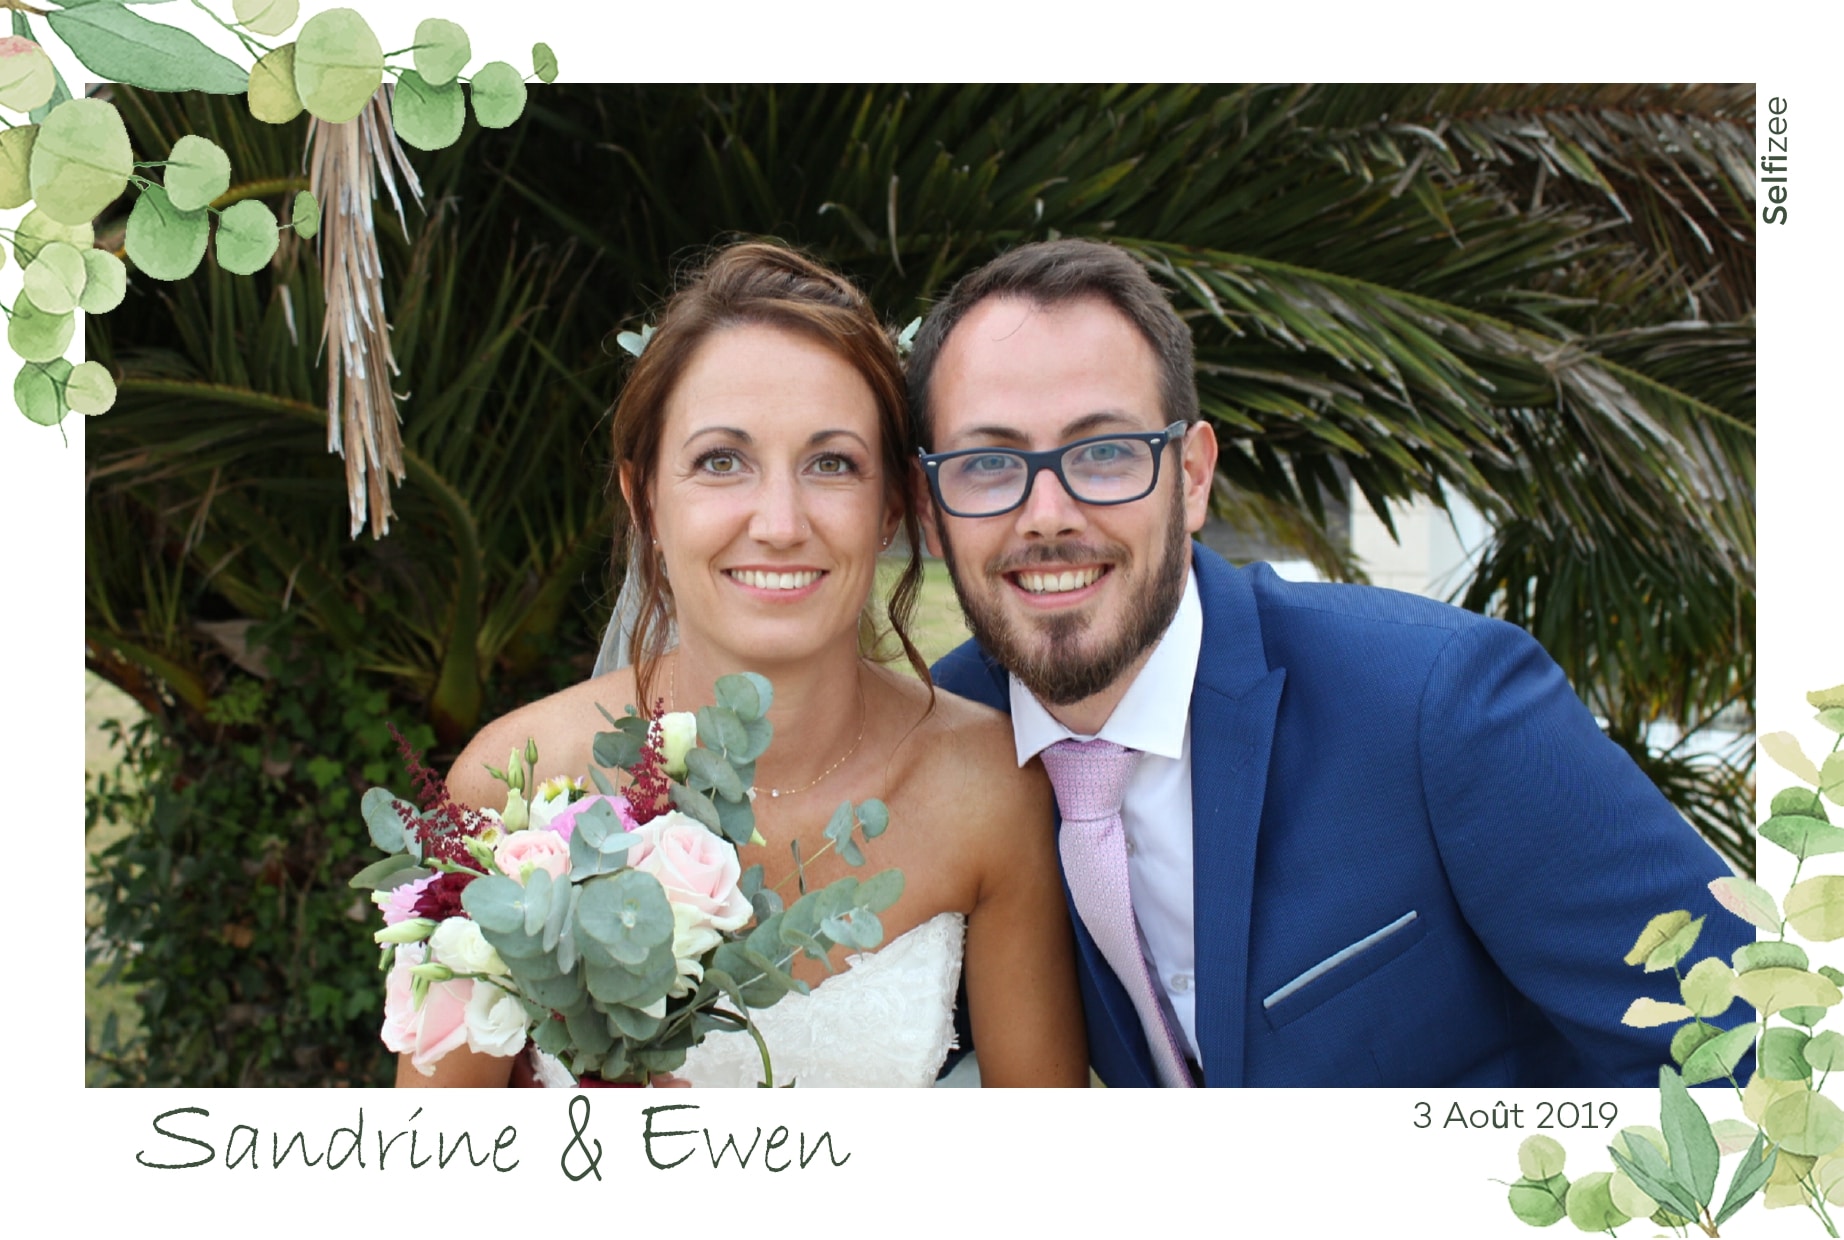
[72, 159]
[1791, 1139]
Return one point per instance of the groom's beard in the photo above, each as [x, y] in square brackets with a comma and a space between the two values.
[1048, 654]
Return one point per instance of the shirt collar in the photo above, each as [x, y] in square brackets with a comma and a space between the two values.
[1144, 718]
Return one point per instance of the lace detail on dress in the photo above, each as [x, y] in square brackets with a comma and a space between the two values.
[886, 1020]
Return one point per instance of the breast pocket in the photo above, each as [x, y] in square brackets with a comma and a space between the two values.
[1343, 969]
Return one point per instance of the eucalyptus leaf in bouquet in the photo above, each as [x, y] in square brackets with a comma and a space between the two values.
[617, 925]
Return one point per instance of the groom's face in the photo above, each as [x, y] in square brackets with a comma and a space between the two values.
[1069, 597]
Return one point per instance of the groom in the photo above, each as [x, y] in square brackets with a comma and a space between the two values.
[1369, 839]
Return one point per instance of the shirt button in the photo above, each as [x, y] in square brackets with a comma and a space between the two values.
[1181, 983]
[1131, 846]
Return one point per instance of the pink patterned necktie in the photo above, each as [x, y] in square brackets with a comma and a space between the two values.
[1090, 778]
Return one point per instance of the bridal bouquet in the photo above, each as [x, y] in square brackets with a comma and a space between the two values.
[614, 929]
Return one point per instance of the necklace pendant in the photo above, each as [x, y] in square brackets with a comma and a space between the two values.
[774, 792]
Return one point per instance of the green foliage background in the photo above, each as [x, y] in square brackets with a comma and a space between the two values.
[1538, 297]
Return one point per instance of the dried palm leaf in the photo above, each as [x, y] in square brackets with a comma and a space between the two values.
[346, 163]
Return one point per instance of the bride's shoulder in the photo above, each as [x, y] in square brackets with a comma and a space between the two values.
[563, 726]
[973, 742]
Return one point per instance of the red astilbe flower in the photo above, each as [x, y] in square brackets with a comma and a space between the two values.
[441, 899]
[650, 795]
[446, 823]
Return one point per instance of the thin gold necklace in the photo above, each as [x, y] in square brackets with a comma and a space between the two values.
[672, 696]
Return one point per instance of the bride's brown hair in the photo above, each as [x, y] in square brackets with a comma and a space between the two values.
[763, 284]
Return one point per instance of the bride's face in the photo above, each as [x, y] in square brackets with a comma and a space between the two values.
[769, 502]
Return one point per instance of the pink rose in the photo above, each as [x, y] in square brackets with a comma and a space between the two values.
[564, 821]
[428, 1032]
[697, 867]
[399, 903]
[544, 849]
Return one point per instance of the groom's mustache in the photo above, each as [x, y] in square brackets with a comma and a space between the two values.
[1057, 553]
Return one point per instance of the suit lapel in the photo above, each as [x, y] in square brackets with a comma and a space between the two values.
[1234, 704]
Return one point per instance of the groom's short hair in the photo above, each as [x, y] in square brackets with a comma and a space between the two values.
[1051, 273]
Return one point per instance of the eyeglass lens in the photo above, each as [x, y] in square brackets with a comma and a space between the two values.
[1101, 471]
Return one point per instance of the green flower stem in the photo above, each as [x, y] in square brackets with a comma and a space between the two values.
[1815, 1201]
[250, 45]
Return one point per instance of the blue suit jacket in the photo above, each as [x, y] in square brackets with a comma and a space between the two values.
[1417, 860]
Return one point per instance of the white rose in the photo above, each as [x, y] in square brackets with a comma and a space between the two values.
[678, 733]
[459, 944]
[545, 806]
[692, 936]
[495, 1021]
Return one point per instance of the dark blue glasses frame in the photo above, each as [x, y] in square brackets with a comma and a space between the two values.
[1050, 460]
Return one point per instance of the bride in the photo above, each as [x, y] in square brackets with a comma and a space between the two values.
[763, 445]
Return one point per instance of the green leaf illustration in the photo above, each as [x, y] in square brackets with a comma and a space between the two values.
[1799, 801]
[55, 279]
[544, 62]
[1692, 1147]
[1750, 1174]
[1805, 1123]
[306, 218]
[164, 242]
[499, 95]
[38, 392]
[266, 17]
[1685, 1041]
[1539, 1202]
[16, 166]
[1656, 933]
[1628, 1198]
[1825, 1051]
[1803, 836]
[1782, 1055]
[273, 97]
[441, 51]
[1709, 987]
[1832, 717]
[197, 172]
[81, 160]
[339, 64]
[1784, 749]
[1749, 901]
[427, 117]
[1773, 990]
[1591, 1206]
[119, 45]
[1716, 1057]
[246, 237]
[1815, 907]
[105, 282]
[1831, 778]
[38, 230]
[1824, 699]
[27, 76]
[1769, 954]
[1648, 1013]
[1732, 1135]
[39, 335]
[1675, 948]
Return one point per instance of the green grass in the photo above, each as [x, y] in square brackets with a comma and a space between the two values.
[939, 626]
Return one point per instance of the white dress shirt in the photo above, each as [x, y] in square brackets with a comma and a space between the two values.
[1155, 718]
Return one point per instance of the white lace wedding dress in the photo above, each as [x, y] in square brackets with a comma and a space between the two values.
[887, 1020]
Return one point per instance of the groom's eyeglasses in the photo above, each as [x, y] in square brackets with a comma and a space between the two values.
[1104, 469]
